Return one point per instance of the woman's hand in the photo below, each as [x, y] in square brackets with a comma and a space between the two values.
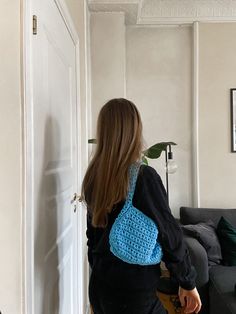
[190, 299]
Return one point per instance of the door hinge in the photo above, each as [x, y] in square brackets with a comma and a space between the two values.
[35, 25]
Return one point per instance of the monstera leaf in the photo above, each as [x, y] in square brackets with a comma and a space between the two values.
[155, 151]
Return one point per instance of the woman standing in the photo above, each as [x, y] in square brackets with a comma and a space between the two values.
[116, 286]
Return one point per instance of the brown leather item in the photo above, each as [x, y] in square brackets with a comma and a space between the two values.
[171, 303]
[170, 300]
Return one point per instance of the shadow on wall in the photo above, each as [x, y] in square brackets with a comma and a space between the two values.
[46, 286]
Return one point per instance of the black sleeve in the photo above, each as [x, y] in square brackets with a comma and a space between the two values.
[94, 236]
[153, 202]
[90, 238]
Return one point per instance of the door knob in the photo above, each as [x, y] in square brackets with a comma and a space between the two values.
[75, 198]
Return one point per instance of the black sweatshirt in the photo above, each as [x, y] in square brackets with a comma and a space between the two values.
[150, 198]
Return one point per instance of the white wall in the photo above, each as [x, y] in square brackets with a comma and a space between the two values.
[158, 63]
[10, 158]
[152, 67]
[217, 68]
[158, 78]
[107, 59]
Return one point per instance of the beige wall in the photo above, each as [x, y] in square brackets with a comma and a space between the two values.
[107, 59]
[158, 63]
[152, 67]
[10, 158]
[158, 78]
[217, 68]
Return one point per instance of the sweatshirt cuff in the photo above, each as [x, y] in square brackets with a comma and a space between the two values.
[187, 286]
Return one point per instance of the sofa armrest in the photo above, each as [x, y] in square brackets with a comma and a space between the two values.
[199, 260]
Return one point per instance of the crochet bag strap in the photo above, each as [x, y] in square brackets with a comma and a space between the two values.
[133, 175]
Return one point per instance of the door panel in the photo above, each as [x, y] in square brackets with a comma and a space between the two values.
[55, 163]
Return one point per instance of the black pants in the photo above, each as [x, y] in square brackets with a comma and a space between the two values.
[107, 300]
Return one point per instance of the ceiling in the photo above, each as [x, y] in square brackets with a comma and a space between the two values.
[168, 11]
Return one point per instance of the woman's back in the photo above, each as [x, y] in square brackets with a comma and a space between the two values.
[117, 286]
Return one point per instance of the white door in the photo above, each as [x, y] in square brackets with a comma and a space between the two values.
[54, 163]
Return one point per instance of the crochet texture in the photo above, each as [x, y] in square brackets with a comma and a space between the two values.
[133, 236]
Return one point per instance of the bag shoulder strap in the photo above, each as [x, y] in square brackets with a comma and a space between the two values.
[133, 175]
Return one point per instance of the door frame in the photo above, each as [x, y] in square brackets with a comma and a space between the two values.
[27, 236]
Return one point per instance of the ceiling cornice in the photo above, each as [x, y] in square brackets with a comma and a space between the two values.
[151, 12]
[187, 11]
[128, 7]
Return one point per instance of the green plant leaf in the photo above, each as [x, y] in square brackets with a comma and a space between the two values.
[144, 159]
[92, 141]
[155, 151]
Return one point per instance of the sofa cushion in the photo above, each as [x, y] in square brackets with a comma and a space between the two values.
[205, 233]
[227, 236]
[221, 284]
[191, 215]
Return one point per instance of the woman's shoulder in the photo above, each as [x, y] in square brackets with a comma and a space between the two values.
[148, 172]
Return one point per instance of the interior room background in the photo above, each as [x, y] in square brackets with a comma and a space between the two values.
[154, 67]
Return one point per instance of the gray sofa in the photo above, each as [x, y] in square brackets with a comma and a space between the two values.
[215, 283]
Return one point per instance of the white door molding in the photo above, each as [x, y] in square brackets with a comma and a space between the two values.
[27, 142]
[87, 127]
[68, 20]
[27, 188]
[195, 117]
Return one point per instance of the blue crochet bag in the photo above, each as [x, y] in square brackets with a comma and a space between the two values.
[133, 236]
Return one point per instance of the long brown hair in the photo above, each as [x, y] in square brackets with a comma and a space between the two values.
[119, 143]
